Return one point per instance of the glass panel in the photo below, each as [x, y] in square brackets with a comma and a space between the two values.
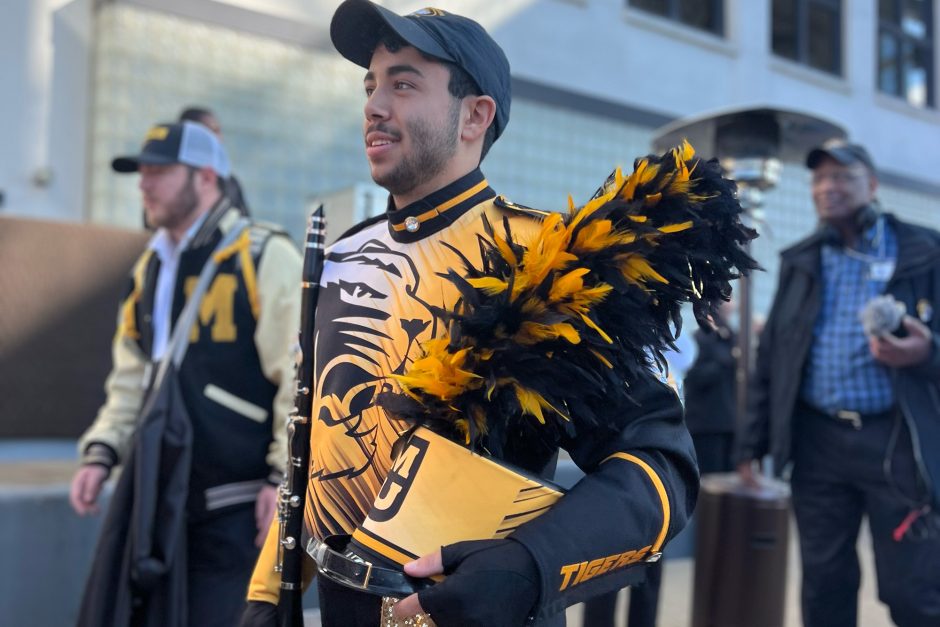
[888, 11]
[704, 14]
[824, 39]
[915, 68]
[888, 64]
[914, 19]
[659, 7]
[784, 30]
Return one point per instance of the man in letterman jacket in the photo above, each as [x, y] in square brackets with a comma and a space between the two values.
[235, 382]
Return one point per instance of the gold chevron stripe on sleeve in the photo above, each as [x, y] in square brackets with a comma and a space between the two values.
[660, 489]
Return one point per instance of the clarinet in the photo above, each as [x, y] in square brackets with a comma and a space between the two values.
[292, 493]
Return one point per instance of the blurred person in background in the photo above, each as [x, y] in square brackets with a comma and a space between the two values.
[235, 385]
[710, 394]
[231, 185]
[856, 414]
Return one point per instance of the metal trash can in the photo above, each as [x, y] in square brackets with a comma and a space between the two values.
[742, 541]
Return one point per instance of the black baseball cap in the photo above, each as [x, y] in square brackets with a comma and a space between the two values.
[358, 24]
[188, 143]
[841, 151]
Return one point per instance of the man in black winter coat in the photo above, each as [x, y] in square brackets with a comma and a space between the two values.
[857, 415]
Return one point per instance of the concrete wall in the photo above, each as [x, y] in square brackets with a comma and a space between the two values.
[44, 73]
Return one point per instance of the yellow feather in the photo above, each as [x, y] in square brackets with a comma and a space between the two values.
[599, 330]
[602, 359]
[439, 373]
[505, 250]
[530, 402]
[636, 269]
[534, 332]
[599, 235]
[567, 284]
[490, 285]
[676, 228]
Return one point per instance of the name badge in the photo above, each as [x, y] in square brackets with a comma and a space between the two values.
[881, 270]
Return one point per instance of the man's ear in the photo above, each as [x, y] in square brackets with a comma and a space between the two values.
[478, 113]
[207, 178]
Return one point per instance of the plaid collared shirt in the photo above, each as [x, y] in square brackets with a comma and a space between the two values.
[841, 372]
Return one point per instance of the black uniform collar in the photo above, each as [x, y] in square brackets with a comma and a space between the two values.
[439, 209]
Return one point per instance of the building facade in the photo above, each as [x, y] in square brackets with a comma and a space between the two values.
[593, 80]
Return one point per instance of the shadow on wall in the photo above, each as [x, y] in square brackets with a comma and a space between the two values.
[60, 286]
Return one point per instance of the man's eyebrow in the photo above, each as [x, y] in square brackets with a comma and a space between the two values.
[394, 71]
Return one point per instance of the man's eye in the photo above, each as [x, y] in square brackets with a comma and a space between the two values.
[370, 91]
[402, 85]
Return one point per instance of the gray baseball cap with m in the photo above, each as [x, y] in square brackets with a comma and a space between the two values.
[188, 143]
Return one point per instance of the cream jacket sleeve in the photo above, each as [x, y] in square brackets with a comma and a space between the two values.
[279, 273]
[108, 439]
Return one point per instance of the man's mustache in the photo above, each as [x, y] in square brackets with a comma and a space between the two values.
[383, 128]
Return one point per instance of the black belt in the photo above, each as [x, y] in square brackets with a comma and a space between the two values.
[850, 417]
[354, 572]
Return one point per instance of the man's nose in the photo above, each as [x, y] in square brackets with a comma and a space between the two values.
[377, 106]
[824, 183]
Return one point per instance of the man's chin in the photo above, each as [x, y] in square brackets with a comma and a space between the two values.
[393, 184]
[154, 221]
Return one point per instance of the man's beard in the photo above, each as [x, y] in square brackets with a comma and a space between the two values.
[433, 150]
[181, 208]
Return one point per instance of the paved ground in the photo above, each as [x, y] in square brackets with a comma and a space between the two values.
[25, 467]
[676, 595]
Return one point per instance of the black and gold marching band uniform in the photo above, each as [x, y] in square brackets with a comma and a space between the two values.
[236, 382]
[380, 299]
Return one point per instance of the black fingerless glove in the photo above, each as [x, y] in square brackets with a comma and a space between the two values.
[259, 614]
[490, 583]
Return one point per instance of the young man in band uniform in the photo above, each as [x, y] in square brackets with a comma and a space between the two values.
[437, 94]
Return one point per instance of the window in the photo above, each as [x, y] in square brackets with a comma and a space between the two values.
[809, 32]
[707, 15]
[906, 51]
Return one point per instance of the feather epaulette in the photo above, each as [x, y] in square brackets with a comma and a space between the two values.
[548, 332]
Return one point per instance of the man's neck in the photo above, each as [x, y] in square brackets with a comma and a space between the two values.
[848, 232]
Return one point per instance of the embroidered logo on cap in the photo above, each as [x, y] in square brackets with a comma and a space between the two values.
[427, 12]
[158, 133]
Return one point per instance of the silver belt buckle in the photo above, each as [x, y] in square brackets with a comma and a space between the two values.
[852, 417]
[319, 551]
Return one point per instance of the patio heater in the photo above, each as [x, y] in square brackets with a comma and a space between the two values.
[750, 144]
